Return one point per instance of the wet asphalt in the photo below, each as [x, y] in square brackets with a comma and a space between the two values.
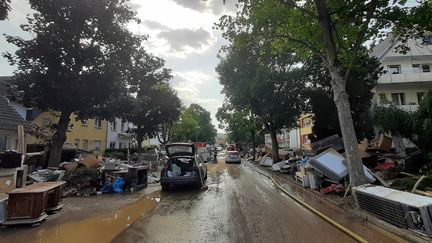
[240, 205]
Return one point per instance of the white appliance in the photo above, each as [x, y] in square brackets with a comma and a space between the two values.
[400, 208]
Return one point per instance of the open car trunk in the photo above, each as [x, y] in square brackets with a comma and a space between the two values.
[181, 167]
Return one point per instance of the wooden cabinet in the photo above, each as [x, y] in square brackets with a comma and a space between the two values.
[29, 204]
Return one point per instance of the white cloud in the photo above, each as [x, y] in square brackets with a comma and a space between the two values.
[189, 86]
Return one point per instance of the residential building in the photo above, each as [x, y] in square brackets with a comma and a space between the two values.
[306, 123]
[9, 121]
[118, 136]
[90, 135]
[283, 138]
[407, 76]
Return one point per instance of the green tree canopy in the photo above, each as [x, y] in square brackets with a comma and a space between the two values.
[195, 125]
[266, 83]
[76, 61]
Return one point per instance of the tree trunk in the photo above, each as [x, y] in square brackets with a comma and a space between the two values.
[58, 139]
[355, 166]
[140, 139]
[275, 146]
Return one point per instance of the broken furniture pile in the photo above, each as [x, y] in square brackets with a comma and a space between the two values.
[42, 190]
[92, 176]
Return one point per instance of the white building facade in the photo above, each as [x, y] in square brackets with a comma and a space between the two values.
[407, 76]
[118, 136]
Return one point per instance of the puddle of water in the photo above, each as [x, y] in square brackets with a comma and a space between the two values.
[101, 228]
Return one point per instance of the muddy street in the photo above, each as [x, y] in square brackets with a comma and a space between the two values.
[240, 205]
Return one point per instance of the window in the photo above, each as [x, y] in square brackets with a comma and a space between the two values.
[394, 69]
[420, 96]
[29, 114]
[97, 144]
[398, 98]
[123, 126]
[120, 145]
[84, 122]
[77, 143]
[3, 142]
[426, 68]
[416, 68]
[98, 122]
[112, 145]
[113, 126]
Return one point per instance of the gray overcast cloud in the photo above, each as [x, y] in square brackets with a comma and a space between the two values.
[180, 38]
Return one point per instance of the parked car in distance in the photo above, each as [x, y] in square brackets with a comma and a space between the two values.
[233, 157]
[183, 168]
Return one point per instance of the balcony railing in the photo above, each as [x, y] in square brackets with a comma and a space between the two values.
[406, 107]
[405, 78]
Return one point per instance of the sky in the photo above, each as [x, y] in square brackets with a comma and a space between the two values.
[179, 31]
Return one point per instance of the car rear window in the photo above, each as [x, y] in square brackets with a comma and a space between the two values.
[233, 153]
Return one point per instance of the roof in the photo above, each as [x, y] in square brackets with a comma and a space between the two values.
[387, 49]
[383, 47]
[9, 119]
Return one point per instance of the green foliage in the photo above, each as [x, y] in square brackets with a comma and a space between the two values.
[195, 125]
[360, 82]
[394, 120]
[241, 126]
[266, 84]
[423, 124]
[77, 58]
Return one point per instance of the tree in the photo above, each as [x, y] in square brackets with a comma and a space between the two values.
[241, 125]
[4, 9]
[266, 83]
[333, 30]
[76, 61]
[392, 119]
[360, 82]
[170, 106]
[194, 125]
[423, 123]
[155, 106]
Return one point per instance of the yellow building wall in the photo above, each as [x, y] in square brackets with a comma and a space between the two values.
[305, 130]
[84, 136]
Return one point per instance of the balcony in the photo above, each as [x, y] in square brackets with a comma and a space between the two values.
[405, 78]
[406, 107]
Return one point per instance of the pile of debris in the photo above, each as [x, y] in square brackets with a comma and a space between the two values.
[326, 171]
[94, 176]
